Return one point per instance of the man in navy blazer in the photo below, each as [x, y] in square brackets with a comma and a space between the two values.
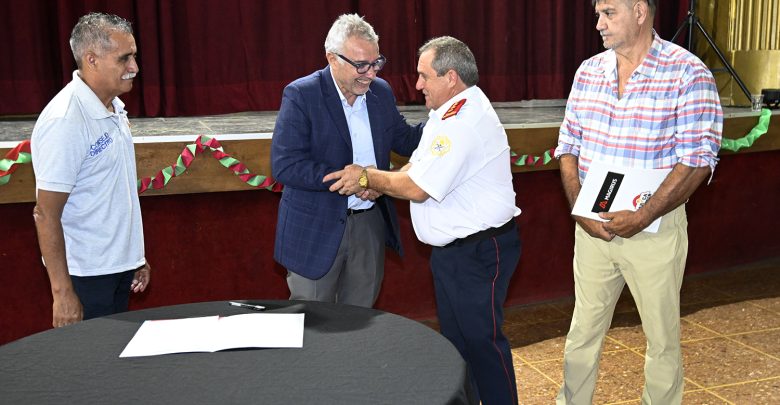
[332, 245]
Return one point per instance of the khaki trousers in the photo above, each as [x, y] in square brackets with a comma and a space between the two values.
[652, 265]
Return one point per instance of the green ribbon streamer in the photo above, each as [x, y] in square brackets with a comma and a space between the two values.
[755, 133]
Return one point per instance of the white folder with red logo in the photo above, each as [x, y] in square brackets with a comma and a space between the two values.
[609, 188]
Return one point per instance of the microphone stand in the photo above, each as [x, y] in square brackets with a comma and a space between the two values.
[691, 21]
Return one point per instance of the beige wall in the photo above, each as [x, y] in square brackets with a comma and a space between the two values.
[748, 34]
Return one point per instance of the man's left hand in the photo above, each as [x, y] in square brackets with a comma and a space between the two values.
[346, 180]
[624, 223]
[141, 278]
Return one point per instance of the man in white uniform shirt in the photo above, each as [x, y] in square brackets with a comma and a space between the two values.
[87, 213]
[459, 182]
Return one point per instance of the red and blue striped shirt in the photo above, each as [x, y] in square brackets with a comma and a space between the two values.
[669, 112]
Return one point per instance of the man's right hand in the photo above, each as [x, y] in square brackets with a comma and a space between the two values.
[594, 228]
[67, 309]
[369, 195]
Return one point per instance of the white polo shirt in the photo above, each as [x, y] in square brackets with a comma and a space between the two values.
[81, 148]
[463, 164]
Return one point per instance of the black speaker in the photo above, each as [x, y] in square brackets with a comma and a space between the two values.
[771, 98]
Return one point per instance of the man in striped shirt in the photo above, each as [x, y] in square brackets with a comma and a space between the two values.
[643, 103]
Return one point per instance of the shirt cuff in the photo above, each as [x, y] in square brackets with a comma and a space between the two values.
[564, 149]
[51, 186]
[701, 161]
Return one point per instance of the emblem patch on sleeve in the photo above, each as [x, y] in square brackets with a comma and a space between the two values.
[453, 110]
[441, 145]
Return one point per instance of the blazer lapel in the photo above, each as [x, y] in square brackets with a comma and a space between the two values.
[333, 103]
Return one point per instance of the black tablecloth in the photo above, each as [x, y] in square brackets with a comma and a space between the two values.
[350, 355]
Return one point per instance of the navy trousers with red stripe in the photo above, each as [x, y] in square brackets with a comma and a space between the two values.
[471, 281]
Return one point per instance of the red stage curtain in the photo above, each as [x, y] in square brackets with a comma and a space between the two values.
[201, 57]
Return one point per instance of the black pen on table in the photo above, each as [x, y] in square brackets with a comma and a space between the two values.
[247, 306]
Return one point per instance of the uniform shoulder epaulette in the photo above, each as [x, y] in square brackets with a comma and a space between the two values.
[453, 110]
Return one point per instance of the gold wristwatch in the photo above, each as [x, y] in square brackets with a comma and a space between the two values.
[363, 180]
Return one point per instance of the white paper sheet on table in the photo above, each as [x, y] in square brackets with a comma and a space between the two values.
[214, 333]
[632, 186]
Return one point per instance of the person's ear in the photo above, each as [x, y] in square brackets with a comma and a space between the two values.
[641, 11]
[91, 59]
[452, 77]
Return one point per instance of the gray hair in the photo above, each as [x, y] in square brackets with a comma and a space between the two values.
[451, 53]
[94, 30]
[651, 4]
[349, 25]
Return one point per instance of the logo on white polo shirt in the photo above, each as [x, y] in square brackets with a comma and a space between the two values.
[101, 144]
[441, 145]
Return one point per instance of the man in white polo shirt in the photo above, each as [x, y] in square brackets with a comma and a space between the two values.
[459, 181]
[87, 213]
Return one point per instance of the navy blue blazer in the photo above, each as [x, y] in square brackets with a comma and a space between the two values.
[310, 140]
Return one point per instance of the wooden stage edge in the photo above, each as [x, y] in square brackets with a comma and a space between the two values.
[206, 174]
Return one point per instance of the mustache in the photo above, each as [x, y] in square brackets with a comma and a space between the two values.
[128, 76]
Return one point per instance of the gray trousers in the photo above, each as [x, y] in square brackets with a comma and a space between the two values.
[357, 272]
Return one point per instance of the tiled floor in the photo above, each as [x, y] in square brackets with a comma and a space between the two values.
[730, 340]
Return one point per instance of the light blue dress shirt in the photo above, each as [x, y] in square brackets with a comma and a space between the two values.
[362, 141]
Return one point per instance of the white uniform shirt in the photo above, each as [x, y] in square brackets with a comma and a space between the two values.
[81, 148]
[463, 164]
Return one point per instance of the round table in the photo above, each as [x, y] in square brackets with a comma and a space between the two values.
[350, 355]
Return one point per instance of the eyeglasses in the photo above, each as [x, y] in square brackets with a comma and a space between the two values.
[362, 67]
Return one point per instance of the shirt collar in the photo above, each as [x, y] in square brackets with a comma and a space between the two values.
[439, 112]
[92, 103]
[358, 101]
[648, 66]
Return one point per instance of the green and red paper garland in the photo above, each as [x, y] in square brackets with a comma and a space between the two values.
[21, 155]
[15, 157]
[528, 160]
[186, 157]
